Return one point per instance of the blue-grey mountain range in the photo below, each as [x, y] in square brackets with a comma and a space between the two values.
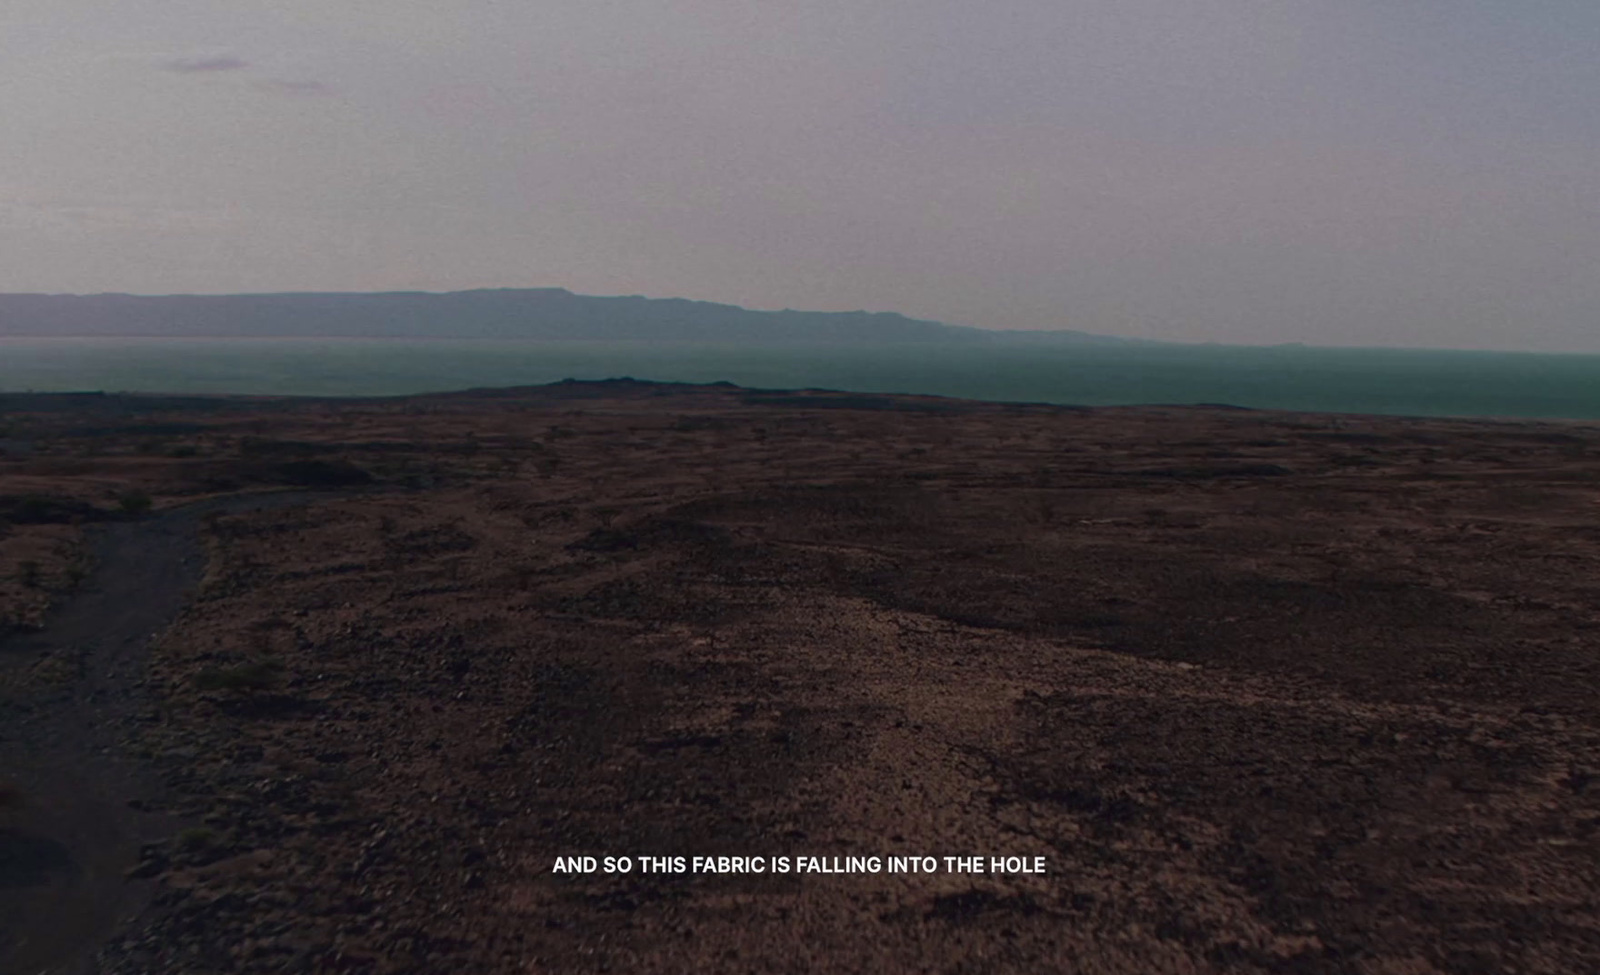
[504, 313]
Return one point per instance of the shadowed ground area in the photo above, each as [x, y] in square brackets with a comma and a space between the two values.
[31, 861]
[1269, 692]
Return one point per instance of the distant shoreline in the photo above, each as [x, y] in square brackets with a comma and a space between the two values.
[811, 397]
[1347, 381]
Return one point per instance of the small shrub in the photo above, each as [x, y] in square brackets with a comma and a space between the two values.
[57, 669]
[134, 503]
[29, 574]
[261, 675]
[322, 474]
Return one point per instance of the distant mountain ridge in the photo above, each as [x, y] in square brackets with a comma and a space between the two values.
[504, 313]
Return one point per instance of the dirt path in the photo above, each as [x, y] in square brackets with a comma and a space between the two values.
[67, 696]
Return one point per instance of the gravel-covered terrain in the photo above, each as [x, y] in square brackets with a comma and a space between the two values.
[1267, 692]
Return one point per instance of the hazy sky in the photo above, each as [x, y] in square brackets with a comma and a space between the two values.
[1392, 172]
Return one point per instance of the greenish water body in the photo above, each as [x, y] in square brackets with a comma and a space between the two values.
[1392, 381]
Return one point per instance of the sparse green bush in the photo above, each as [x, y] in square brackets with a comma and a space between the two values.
[260, 675]
[134, 503]
[322, 473]
[57, 669]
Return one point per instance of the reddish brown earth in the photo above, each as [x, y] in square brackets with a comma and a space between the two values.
[1269, 692]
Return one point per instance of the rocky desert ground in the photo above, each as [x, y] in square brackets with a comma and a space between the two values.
[330, 686]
